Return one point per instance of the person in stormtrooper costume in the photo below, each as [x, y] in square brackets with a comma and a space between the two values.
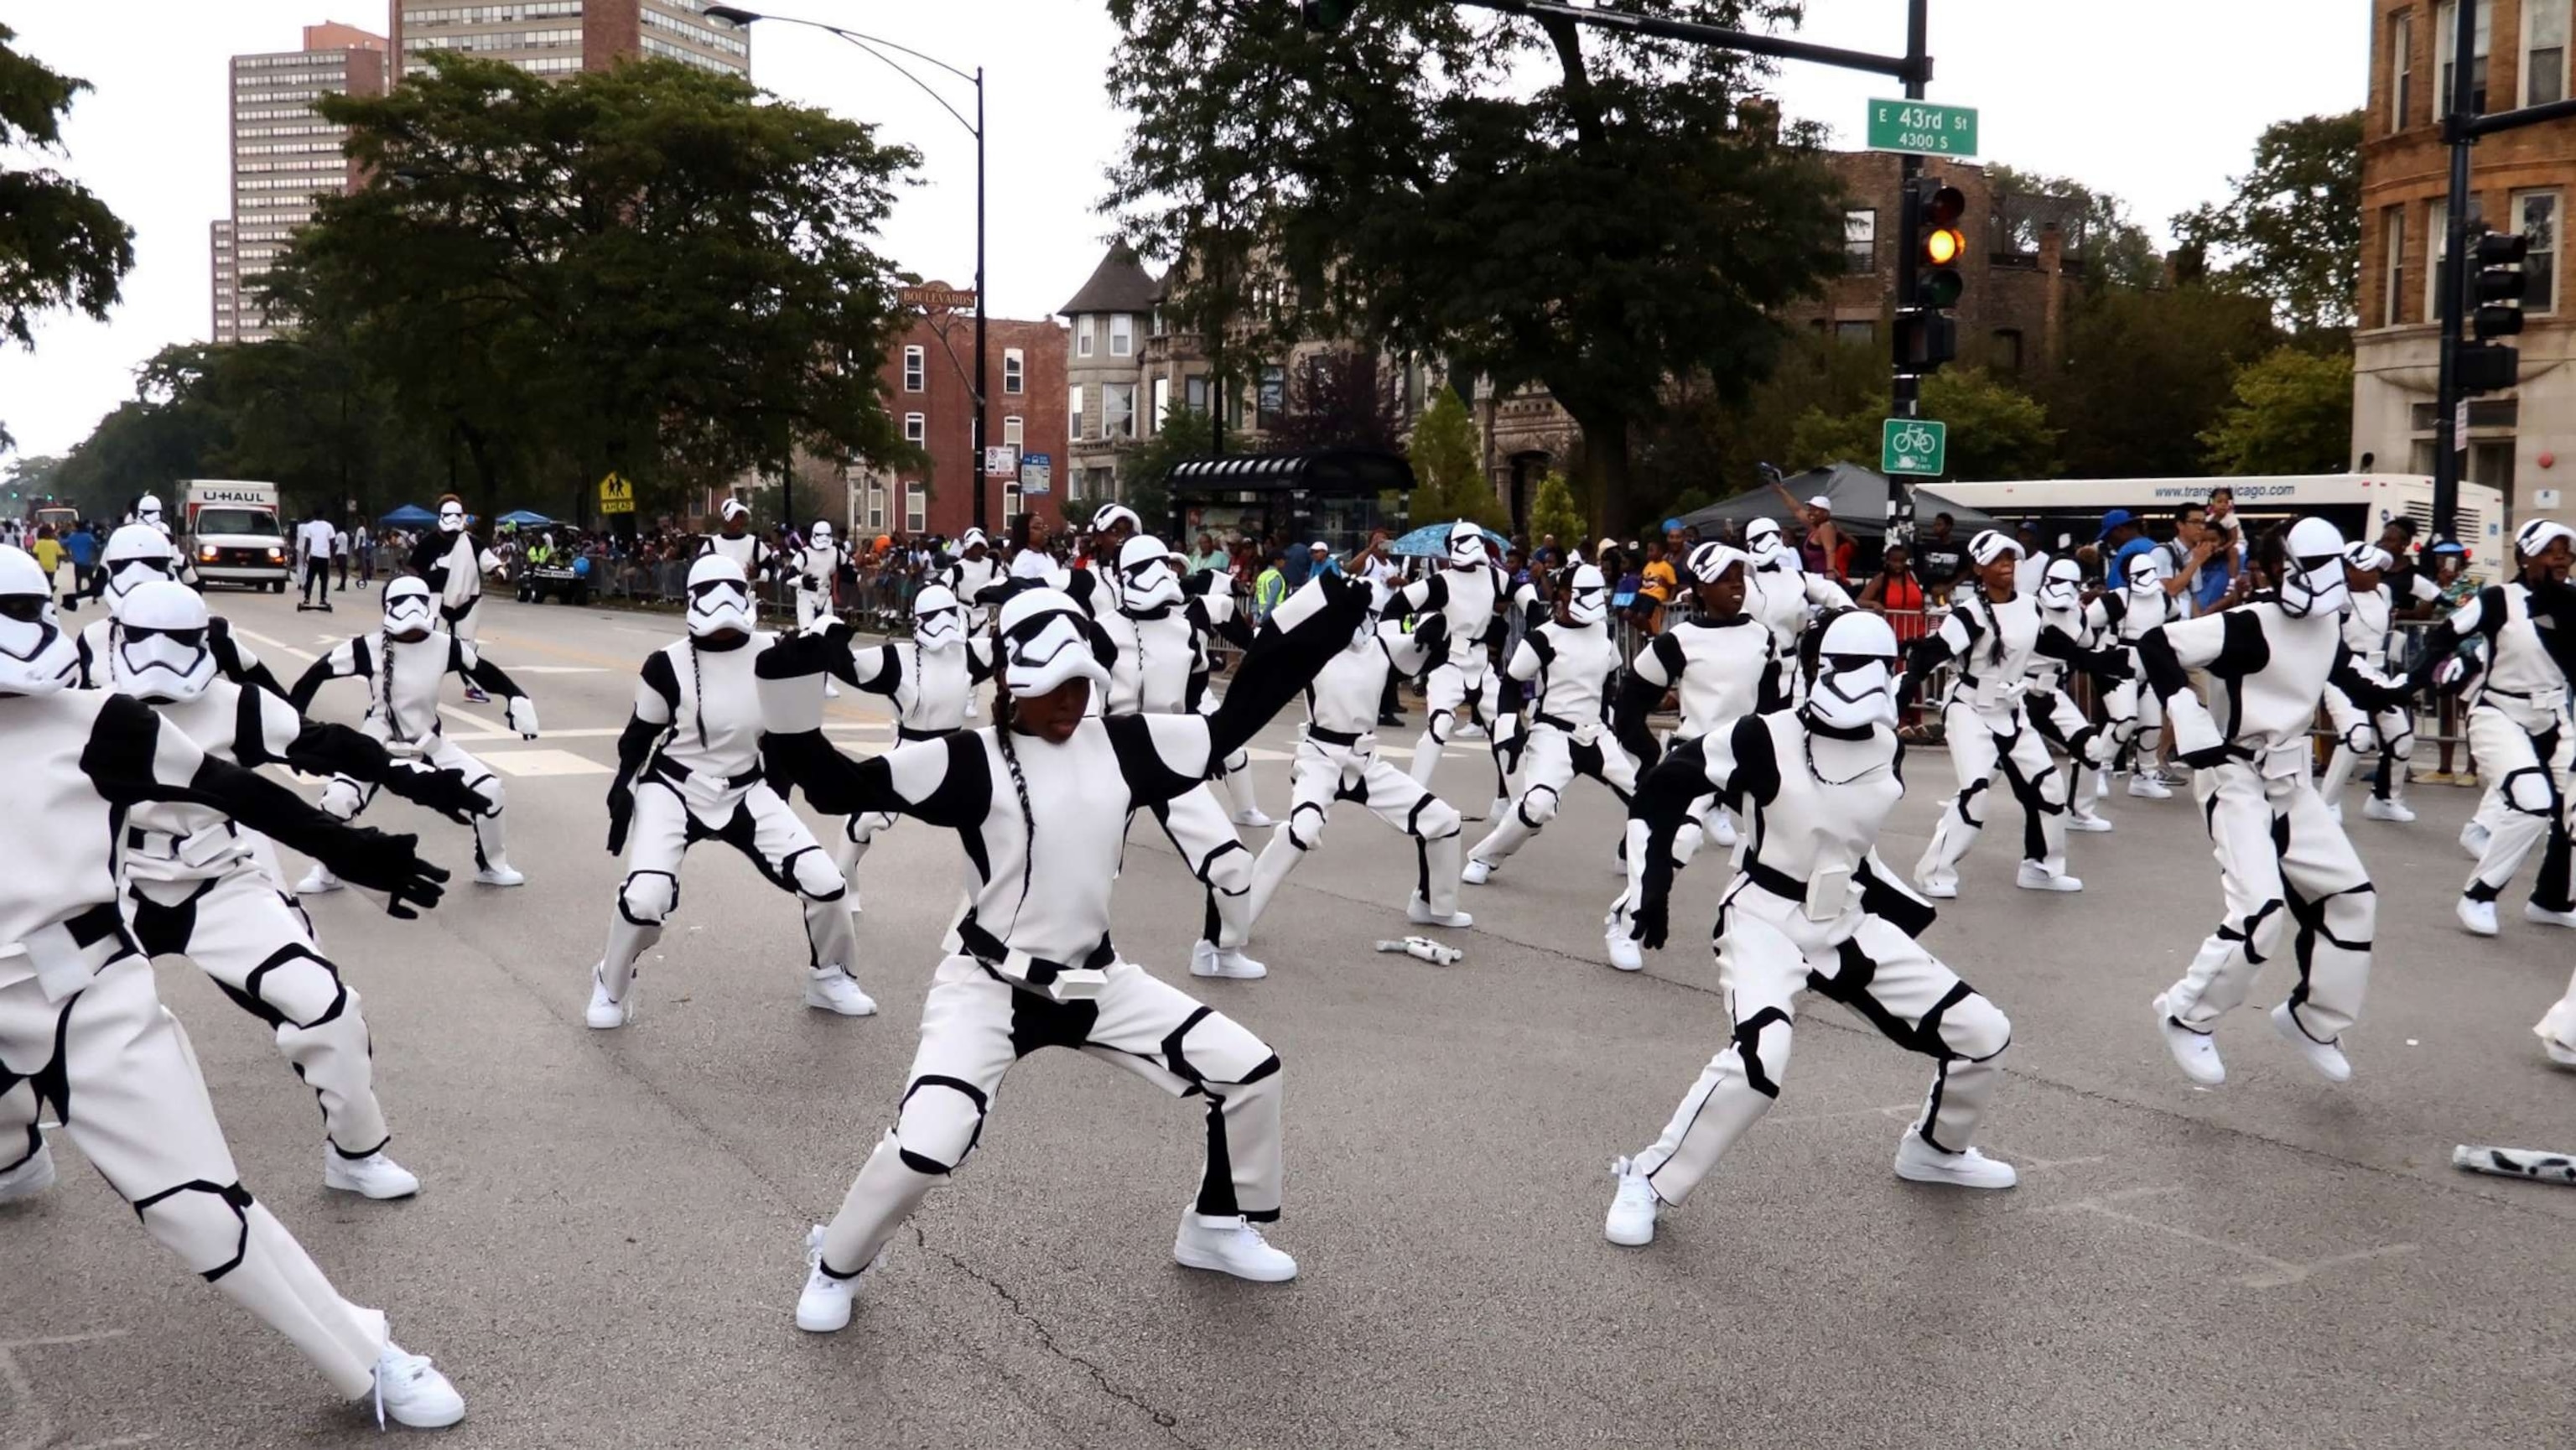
[1040, 799]
[1467, 592]
[1811, 908]
[198, 886]
[930, 681]
[736, 540]
[139, 554]
[147, 512]
[1725, 665]
[1338, 760]
[2085, 625]
[817, 568]
[1780, 593]
[454, 561]
[404, 660]
[2286, 869]
[1216, 611]
[688, 770]
[1994, 635]
[83, 1034]
[2522, 733]
[2387, 738]
[2137, 717]
[1567, 662]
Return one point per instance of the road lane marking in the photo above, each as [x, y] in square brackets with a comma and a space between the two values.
[543, 762]
[2277, 1273]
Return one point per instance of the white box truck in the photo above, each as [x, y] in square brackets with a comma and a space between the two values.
[232, 534]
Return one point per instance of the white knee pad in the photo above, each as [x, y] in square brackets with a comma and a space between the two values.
[816, 878]
[1442, 725]
[1436, 820]
[494, 798]
[1539, 806]
[1975, 1029]
[205, 1224]
[2400, 743]
[342, 797]
[2527, 791]
[939, 1123]
[300, 989]
[648, 897]
[2360, 739]
[1972, 800]
[1211, 1048]
[1306, 826]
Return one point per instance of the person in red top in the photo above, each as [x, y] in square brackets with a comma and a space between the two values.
[1896, 593]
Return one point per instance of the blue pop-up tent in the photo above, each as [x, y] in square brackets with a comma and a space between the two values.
[409, 516]
[524, 519]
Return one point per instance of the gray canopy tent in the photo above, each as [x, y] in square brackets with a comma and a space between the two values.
[1859, 499]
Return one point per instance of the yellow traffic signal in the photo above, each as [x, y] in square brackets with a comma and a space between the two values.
[1943, 247]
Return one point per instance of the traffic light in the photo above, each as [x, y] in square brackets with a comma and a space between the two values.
[1325, 17]
[2486, 366]
[1926, 335]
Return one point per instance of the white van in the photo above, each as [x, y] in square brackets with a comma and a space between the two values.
[232, 535]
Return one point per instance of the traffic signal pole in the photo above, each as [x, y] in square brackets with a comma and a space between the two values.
[1906, 389]
[2447, 439]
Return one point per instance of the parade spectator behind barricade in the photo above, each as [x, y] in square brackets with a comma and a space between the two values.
[2225, 577]
[2414, 585]
[1211, 556]
[1657, 583]
[1940, 557]
[1548, 554]
[1825, 550]
[1270, 587]
[1897, 592]
[2452, 588]
[2120, 541]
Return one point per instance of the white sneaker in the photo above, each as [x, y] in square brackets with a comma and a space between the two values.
[2478, 916]
[1922, 1163]
[1207, 959]
[1253, 819]
[2559, 1053]
[413, 1392]
[1419, 912]
[317, 881]
[2334, 812]
[1939, 885]
[607, 1013]
[2539, 915]
[825, 1305]
[2146, 786]
[1632, 1214]
[2473, 839]
[1721, 831]
[1625, 954]
[2195, 1052]
[29, 1178]
[374, 1176]
[2379, 809]
[1230, 1245]
[2091, 824]
[2034, 877]
[500, 873]
[2102, 782]
[1469, 731]
[1475, 872]
[2326, 1057]
[834, 990]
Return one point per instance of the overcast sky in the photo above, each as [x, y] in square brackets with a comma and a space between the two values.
[2158, 104]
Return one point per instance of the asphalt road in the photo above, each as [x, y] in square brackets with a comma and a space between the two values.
[609, 1245]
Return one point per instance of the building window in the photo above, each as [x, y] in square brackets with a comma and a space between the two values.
[916, 428]
[1860, 241]
[1015, 371]
[2448, 21]
[2007, 354]
[1118, 410]
[1859, 333]
[914, 366]
[2401, 69]
[1082, 337]
[916, 508]
[1122, 334]
[1010, 504]
[1194, 393]
[2536, 213]
[1073, 413]
[2544, 52]
[876, 508]
[2437, 246]
[1273, 397]
[2392, 233]
[1162, 405]
[1014, 430]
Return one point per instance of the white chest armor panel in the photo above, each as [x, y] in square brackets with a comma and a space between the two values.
[1778, 598]
[202, 841]
[1995, 670]
[1574, 672]
[1344, 698]
[745, 551]
[57, 832]
[715, 722]
[1469, 611]
[1155, 660]
[2083, 624]
[464, 583]
[1831, 798]
[2365, 627]
[1063, 912]
[2270, 709]
[1722, 670]
[974, 576]
[403, 684]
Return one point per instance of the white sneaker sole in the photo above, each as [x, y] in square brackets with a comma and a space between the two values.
[31, 1185]
[1629, 1238]
[1916, 1173]
[832, 1321]
[864, 1007]
[2168, 1030]
[1193, 1258]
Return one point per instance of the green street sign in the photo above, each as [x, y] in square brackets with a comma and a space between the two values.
[1921, 128]
[1917, 446]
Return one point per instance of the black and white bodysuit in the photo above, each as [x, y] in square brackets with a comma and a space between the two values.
[1157, 654]
[2086, 630]
[403, 679]
[2137, 716]
[2522, 732]
[454, 566]
[1466, 597]
[1568, 669]
[932, 691]
[2386, 738]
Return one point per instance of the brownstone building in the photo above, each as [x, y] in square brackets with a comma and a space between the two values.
[926, 389]
[2522, 442]
[283, 157]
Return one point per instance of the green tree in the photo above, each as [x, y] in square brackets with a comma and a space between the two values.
[649, 269]
[28, 479]
[1996, 430]
[1448, 481]
[2292, 413]
[2146, 373]
[1185, 433]
[2291, 233]
[1540, 204]
[2095, 224]
[60, 246]
[1552, 513]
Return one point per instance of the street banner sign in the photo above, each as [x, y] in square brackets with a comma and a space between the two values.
[1037, 474]
[1001, 460]
[1916, 446]
[1922, 128]
[616, 495]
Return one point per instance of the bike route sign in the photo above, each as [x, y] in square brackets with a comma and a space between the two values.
[1916, 446]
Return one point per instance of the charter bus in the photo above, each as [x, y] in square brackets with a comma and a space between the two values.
[2070, 510]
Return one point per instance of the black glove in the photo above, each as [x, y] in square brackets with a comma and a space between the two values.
[1652, 918]
[388, 863]
[621, 813]
[443, 791]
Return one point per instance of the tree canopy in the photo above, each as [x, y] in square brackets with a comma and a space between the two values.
[1449, 483]
[2291, 413]
[60, 246]
[2116, 250]
[2146, 373]
[1996, 430]
[2291, 233]
[1542, 205]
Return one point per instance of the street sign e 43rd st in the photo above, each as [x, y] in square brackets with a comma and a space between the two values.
[1922, 128]
[1916, 446]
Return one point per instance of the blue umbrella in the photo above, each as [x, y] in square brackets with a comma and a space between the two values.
[525, 519]
[409, 516]
[1431, 541]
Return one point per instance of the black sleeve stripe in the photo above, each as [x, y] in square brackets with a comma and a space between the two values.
[1148, 777]
[250, 730]
[1757, 763]
[1668, 653]
[2245, 651]
[965, 794]
[122, 743]
[663, 678]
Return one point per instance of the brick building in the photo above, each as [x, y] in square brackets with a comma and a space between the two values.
[2522, 442]
[283, 156]
[925, 382]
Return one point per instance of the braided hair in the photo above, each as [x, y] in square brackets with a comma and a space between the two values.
[697, 689]
[1004, 720]
[385, 680]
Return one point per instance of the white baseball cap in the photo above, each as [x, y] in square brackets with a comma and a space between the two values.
[1821, 502]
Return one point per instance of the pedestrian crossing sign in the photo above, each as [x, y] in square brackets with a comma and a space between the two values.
[616, 495]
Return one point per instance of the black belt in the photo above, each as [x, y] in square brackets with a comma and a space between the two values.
[678, 772]
[905, 734]
[1777, 882]
[1559, 721]
[987, 948]
[1344, 738]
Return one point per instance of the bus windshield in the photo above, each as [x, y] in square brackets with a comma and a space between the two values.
[237, 521]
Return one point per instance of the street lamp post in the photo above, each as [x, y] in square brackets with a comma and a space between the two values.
[735, 16]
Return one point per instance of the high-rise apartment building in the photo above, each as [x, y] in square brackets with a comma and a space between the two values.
[553, 37]
[284, 155]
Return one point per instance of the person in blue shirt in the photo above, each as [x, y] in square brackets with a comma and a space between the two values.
[2125, 541]
[82, 545]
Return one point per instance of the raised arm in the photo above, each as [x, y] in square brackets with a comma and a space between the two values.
[1734, 764]
[1959, 632]
[2169, 653]
[1299, 638]
[348, 657]
[946, 782]
[467, 662]
[2101, 664]
[269, 729]
[1654, 671]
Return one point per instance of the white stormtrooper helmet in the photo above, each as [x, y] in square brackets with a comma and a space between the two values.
[1709, 562]
[1145, 575]
[734, 508]
[821, 537]
[1111, 515]
[719, 597]
[972, 540]
[147, 510]
[1992, 544]
[162, 650]
[1467, 545]
[2312, 570]
[451, 517]
[1762, 541]
[1587, 595]
[410, 609]
[1855, 685]
[1046, 640]
[2533, 539]
[36, 657]
[2147, 569]
[136, 554]
[2369, 558]
[938, 622]
[2062, 587]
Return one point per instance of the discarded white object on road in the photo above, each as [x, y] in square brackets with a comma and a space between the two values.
[2531, 1163]
[1436, 953]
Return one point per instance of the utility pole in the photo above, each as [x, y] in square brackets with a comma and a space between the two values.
[1906, 389]
[983, 400]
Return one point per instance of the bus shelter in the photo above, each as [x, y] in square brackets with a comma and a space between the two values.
[1337, 495]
